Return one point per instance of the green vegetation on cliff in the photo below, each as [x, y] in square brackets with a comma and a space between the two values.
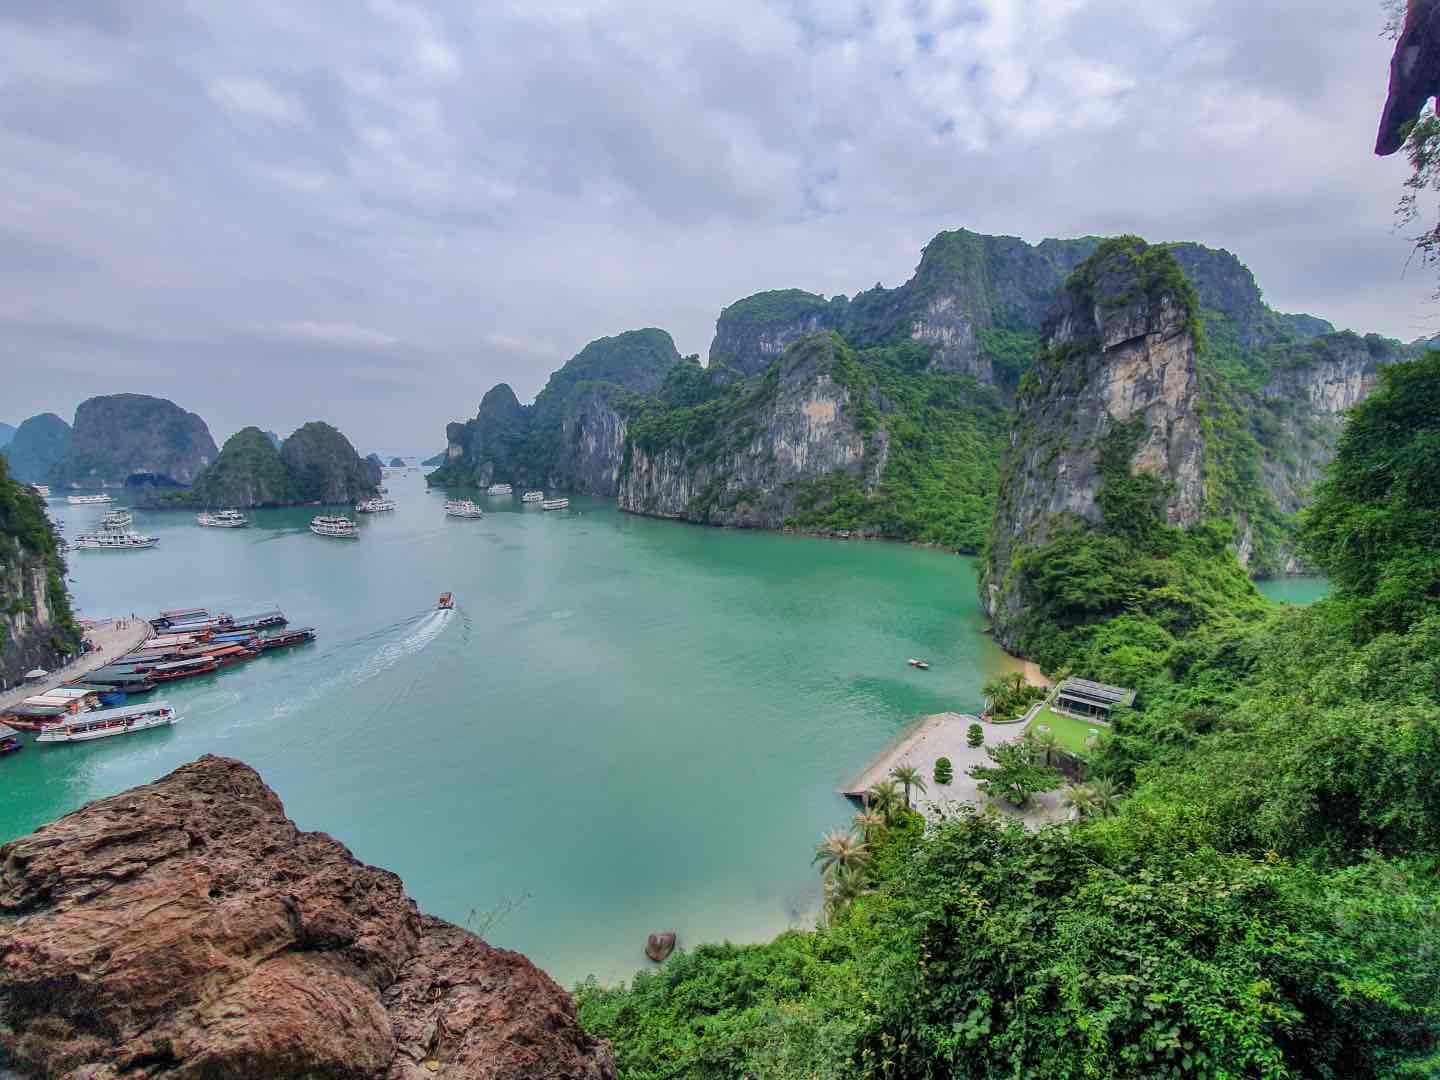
[247, 472]
[1261, 902]
[39, 445]
[32, 581]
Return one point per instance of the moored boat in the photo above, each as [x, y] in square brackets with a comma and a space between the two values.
[916, 662]
[222, 519]
[43, 490]
[556, 504]
[263, 621]
[103, 723]
[183, 669]
[117, 521]
[120, 540]
[285, 638]
[533, 497]
[336, 527]
[88, 500]
[374, 506]
[463, 508]
[447, 602]
[9, 740]
[499, 489]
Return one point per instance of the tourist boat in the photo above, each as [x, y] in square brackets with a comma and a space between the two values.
[106, 722]
[117, 521]
[463, 508]
[499, 489]
[9, 740]
[556, 504]
[533, 497]
[183, 669]
[340, 528]
[88, 500]
[285, 638]
[923, 665]
[263, 621]
[447, 602]
[43, 490]
[222, 519]
[118, 540]
[374, 506]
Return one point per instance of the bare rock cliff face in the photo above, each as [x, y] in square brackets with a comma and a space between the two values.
[1120, 349]
[188, 929]
[37, 627]
[134, 437]
[791, 427]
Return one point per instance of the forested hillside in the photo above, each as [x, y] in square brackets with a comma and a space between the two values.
[1255, 896]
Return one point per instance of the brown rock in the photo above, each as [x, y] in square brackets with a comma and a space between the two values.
[187, 928]
[661, 945]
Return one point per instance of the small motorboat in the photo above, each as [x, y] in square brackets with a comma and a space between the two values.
[923, 665]
[447, 602]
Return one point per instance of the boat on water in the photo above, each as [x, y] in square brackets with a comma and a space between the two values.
[263, 621]
[533, 497]
[556, 504]
[183, 669]
[916, 662]
[447, 602]
[222, 519]
[43, 490]
[285, 638]
[499, 489]
[340, 528]
[103, 723]
[117, 521]
[114, 540]
[9, 740]
[374, 506]
[88, 500]
[463, 508]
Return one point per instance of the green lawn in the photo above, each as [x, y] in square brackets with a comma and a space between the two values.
[1070, 733]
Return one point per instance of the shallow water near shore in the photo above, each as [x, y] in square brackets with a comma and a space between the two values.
[627, 725]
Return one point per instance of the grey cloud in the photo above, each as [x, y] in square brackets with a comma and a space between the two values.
[441, 196]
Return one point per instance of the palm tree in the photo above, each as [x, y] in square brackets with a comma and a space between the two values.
[1080, 799]
[911, 778]
[885, 799]
[1045, 743]
[843, 887]
[840, 850]
[868, 821]
[1105, 797]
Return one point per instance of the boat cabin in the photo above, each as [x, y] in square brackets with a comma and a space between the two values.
[1090, 700]
[9, 740]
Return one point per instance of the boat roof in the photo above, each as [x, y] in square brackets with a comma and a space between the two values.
[8, 732]
[184, 663]
[66, 692]
[272, 613]
[184, 611]
[100, 716]
[35, 710]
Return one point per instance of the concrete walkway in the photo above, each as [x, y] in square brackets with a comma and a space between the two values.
[944, 735]
[111, 641]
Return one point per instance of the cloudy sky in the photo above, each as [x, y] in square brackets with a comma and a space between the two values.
[369, 212]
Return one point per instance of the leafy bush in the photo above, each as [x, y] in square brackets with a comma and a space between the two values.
[944, 770]
[974, 736]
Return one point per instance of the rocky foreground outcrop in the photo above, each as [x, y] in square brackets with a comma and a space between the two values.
[188, 929]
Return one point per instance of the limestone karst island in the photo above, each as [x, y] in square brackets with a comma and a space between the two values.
[775, 541]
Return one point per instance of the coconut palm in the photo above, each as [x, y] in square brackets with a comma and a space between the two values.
[910, 777]
[1105, 796]
[840, 850]
[868, 821]
[1079, 798]
[843, 887]
[884, 799]
[1044, 743]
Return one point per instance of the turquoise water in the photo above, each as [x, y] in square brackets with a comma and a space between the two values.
[627, 725]
[1294, 590]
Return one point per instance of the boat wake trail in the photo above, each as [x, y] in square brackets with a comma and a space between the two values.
[429, 628]
[423, 631]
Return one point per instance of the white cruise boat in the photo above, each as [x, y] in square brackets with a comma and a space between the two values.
[222, 519]
[463, 508]
[102, 723]
[374, 506]
[341, 528]
[43, 490]
[499, 489]
[117, 521]
[114, 540]
[88, 500]
[556, 504]
[533, 497]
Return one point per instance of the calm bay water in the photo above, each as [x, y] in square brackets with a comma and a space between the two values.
[628, 725]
